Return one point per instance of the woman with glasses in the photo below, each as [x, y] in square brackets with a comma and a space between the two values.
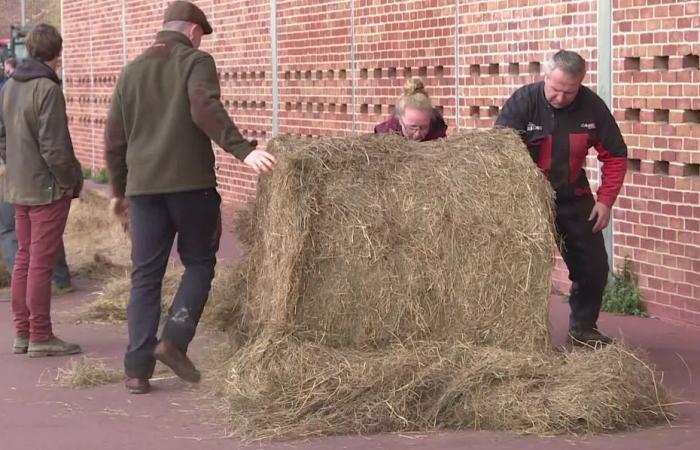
[415, 118]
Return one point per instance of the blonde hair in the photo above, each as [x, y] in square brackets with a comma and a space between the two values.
[414, 96]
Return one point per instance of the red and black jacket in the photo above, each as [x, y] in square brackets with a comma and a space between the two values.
[559, 139]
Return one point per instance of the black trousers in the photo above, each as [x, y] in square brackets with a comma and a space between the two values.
[585, 256]
[195, 217]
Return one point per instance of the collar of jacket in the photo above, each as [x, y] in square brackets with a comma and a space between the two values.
[166, 36]
[32, 69]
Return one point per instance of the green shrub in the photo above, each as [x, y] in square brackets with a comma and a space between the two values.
[102, 177]
[622, 295]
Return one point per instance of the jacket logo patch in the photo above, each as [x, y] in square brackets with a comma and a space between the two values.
[533, 127]
[588, 126]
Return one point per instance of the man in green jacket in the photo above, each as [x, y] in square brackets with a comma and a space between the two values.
[165, 112]
[42, 176]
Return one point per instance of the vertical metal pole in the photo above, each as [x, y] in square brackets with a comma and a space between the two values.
[92, 87]
[275, 69]
[63, 57]
[457, 93]
[23, 6]
[605, 81]
[124, 57]
[352, 65]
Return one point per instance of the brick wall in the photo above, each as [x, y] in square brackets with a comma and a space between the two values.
[43, 11]
[78, 79]
[396, 40]
[342, 65]
[10, 14]
[36, 11]
[314, 52]
[241, 46]
[657, 103]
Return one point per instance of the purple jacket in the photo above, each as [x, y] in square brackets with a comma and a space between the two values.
[438, 127]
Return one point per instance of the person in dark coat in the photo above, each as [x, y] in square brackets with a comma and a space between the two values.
[165, 112]
[560, 120]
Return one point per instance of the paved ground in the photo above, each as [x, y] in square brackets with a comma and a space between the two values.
[36, 415]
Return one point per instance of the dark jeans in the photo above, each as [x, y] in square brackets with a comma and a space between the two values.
[8, 247]
[585, 256]
[155, 220]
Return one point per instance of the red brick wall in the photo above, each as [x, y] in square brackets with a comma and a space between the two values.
[81, 92]
[43, 11]
[656, 101]
[10, 14]
[502, 44]
[410, 38]
[502, 48]
[241, 46]
[314, 54]
[36, 11]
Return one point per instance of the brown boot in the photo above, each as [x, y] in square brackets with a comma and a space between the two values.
[169, 355]
[138, 385]
[52, 347]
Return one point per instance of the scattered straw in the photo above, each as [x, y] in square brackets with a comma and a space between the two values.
[5, 275]
[224, 302]
[96, 245]
[225, 307]
[111, 303]
[294, 388]
[85, 372]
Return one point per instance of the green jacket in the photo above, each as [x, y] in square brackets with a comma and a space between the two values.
[40, 166]
[166, 110]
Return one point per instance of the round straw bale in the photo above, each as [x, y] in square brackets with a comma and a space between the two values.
[365, 242]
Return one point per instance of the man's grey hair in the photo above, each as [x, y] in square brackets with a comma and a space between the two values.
[177, 25]
[571, 63]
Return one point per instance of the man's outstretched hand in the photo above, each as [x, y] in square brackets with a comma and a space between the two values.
[260, 161]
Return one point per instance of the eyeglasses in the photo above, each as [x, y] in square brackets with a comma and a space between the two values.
[415, 128]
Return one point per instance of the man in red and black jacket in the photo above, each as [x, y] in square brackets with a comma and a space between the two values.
[560, 120]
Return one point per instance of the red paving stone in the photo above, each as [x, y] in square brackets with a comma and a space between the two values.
[36, 415]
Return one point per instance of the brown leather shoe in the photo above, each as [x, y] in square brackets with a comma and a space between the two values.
[53, 347]
[169, 355]
[138, 385]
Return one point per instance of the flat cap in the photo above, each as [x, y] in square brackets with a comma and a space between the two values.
[187, 12]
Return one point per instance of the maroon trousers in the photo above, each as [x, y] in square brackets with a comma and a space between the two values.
[39, 230]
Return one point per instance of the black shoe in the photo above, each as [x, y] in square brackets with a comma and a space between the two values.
[588, 338]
